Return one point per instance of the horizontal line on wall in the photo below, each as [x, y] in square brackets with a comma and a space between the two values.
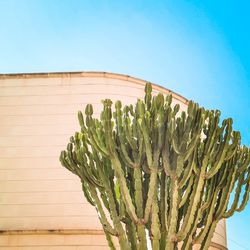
[48, 104]
[22, 157]
[50, 216]
[36, 135]
[78, 93]
[34, 146]
[35, 114]
[25, 157]
[76, 84]
[19, 168]
[53, 231]
[69, 179]
[51, 246]
[42, 203]
[42, 180]
[38, 124]
[13, 125]
[56, 114]
[37, 192]
[34, 157]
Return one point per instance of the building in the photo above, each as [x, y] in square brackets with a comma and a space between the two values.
[41, 203]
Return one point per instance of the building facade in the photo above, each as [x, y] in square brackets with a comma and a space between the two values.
[41, 203]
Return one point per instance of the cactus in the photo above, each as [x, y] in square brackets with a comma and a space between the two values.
[155, 174]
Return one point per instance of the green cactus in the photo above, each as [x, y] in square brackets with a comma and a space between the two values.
[155, 174]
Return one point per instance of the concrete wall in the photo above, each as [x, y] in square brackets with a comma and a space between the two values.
[41, 203]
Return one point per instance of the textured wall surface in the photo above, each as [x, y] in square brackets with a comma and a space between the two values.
[38, 114]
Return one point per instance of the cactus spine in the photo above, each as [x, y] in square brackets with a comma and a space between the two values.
[153, 171]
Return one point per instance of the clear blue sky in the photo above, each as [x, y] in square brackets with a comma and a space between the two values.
[200, 49]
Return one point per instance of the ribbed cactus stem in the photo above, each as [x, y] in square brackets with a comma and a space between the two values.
[167, 203]
[150, 195]
[142, 242]
[109, 240]
[155, 224]
[131, 233]
[162, 204]
[124, 189]
[209, 219]
[206, 242]
[194, 201]
[171, 236]
[106, 225]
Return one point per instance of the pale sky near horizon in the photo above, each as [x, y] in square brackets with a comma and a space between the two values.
[199, 49]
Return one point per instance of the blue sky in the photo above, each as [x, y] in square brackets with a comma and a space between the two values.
[200, 49]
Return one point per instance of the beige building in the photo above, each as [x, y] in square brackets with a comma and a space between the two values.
[41, 203]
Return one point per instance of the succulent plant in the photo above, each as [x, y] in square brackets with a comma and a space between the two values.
[157, 174]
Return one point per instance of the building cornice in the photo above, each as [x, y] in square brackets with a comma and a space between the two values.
[92, 74]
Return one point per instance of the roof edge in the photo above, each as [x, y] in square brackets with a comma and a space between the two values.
[92, 74]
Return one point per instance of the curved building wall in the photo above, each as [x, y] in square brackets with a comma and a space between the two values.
[41, 203]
